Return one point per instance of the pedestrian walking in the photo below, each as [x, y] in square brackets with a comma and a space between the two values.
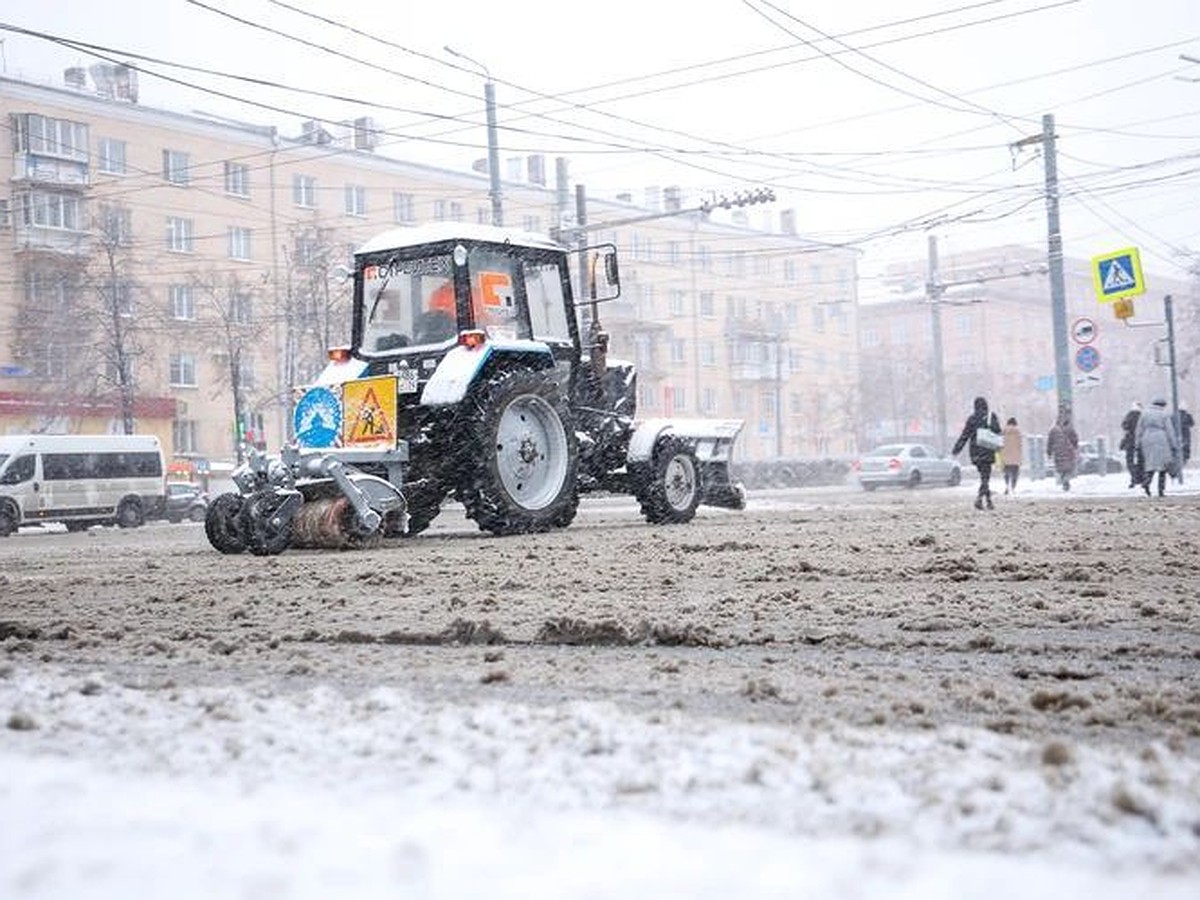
[975, 434]
[1128, 443]
[1062, 445]
[1010, 455]
[1159, 445]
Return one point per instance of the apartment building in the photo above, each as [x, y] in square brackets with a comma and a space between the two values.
[998, 341]
[185, 272]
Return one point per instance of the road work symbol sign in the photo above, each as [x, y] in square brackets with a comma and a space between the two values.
[369, 418]
[1118, 275]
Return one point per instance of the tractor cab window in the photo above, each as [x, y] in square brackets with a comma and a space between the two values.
[495, 305]
[547, 305]
[407, 303]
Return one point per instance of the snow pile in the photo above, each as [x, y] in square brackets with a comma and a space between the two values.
[115, 791]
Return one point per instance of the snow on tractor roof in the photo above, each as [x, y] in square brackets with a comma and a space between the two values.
[435, 232]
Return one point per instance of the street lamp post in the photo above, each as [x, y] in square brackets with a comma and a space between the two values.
[489, 97]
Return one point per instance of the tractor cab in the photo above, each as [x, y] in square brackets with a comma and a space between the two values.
[418, 289]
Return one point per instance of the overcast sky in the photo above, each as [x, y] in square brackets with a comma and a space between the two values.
[875, 120]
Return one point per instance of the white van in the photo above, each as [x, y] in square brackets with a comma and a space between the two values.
[80, 480]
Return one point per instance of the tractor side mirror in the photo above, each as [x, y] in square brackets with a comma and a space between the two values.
[603, 274]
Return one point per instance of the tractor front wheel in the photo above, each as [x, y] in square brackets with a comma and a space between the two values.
[222, 524]
[520, 456]
[669, 487]
[264, 536]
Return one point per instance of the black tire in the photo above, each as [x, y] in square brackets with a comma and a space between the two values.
[520, 455]
[197, 514]
[9, 519]
[222, 524]
[669, 488]
[914, 480]
[130, 513]
[868, 486]
[263, 538]
[75, 527]
[424, 505]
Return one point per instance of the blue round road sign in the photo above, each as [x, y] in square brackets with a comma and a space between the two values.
[1087, 358]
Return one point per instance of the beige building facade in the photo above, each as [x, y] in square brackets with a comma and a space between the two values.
[183, 273]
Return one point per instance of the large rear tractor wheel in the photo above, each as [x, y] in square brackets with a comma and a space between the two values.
[264, 535]
[520, 455]
[223, 526]
[669, 489]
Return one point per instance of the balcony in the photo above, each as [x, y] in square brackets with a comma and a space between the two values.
[37, 239]
[38, 169]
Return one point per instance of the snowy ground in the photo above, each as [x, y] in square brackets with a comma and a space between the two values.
[126, 774]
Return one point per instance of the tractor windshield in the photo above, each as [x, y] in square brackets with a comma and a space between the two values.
[407, 302]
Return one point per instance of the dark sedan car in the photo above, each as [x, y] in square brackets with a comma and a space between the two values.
[906, 465]
[185, 502]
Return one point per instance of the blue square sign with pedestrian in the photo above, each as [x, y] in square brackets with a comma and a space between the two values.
[1117, 275]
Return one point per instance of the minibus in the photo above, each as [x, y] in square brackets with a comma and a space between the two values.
[80, 480]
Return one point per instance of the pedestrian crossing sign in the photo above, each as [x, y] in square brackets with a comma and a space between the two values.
[1118, 275]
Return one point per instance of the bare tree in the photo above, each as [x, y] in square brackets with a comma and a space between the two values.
[317, 304]
[113, 293]
[235, 329]
[76, 331]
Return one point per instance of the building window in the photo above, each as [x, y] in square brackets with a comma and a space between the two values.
[818, 318]
[707, 304]
[179, 235]
[678, 398]
[118, 298]
[183, 370]
[356, 200]
[675, 302]
[789, 271]
[51, 137]
[175, 167]
[673, 253]
[304, 191]
[246, 376]
[183, 436]
[241, 309]
[708, 354]
[402, 208]
[116, 224]
[483, 215]
[181, 302]
[47, 292]
[708, 400]
[111, 156]
[239, 242]
[237, 179]
[646, 304]
[704, 258]
[46, 209]
[649, 397]
[439, 210]
[677, 351]
[456, 211]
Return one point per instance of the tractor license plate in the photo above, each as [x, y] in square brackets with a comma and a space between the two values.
[406, 379]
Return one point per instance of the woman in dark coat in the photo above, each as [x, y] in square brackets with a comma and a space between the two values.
[1062, 445]
[982, 457]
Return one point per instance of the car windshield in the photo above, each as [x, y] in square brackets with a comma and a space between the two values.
[888, 450]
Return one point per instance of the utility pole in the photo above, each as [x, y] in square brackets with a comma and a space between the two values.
[1058, 291]
[934, 290]
[489, 98]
